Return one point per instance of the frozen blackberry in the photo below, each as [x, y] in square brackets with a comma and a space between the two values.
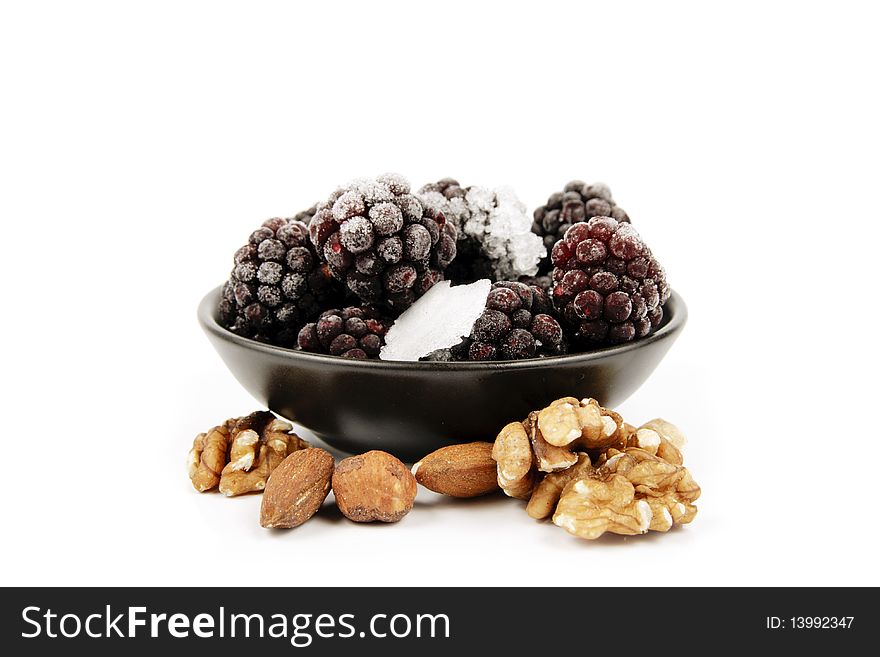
[277, 284]
[447, 197]
[452, 354]
[608, 287]
[377, 239]
[353, 332]
[543, 281]
[495, 240]
[578, 201]
[306, 216]
[517, 323]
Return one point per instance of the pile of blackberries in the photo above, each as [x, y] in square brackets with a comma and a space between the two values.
[372, 248]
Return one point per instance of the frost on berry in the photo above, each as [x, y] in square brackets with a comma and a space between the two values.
[369, 263]
[390, 249]
[492, 326]
[277, 283]
[518, 344]
[270, 272]
[514, 324]
[493, 228]
[300, 260]
[271, 249]
[503, 299]
[350, 204]
[416, 243]
[608, 287]
[578, 202]
[356, 234]
[399, 278]
[323, 225]
[387, 219]
[395, 182]
[353, 332]
[377, 240]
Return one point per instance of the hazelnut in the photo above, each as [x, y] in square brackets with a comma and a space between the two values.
[374, 486]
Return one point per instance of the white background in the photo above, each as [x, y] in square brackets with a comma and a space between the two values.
[140, 143]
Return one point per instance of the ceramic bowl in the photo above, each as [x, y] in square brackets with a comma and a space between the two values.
[411, 409]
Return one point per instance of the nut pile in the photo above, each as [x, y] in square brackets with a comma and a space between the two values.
[260, 453]
[593, 473]
[573, 461]
[375, 247]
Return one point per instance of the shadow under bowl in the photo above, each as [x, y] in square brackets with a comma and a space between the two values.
[411, 409]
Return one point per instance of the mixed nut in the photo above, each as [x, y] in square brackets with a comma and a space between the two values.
[573, 461]
[239, 455]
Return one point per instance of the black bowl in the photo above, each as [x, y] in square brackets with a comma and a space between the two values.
[411, 409]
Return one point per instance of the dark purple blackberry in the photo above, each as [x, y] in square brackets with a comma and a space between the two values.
[608, 287]
[452, 354]
[447, 198]
[495, 238]
[578, 201]
[276, 284]
[354, 332]
[518, 323]
[450, 188]
[306, 216]
[376, 238]
[542, 281]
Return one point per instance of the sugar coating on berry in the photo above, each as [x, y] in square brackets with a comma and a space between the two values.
[438, 320]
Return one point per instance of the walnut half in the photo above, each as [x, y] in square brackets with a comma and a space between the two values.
[207, 457]
[632, 492]
[546, 495]
[660, 438]
[582, 424]
[239, 456]
[514, 461]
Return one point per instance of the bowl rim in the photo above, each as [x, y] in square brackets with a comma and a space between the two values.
[675, 316]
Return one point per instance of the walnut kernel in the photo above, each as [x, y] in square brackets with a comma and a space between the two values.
[583, 424]
[548, 458]
[239, 456]
[207, 458]
[546, 495]
[632, 492]
[512, 452]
